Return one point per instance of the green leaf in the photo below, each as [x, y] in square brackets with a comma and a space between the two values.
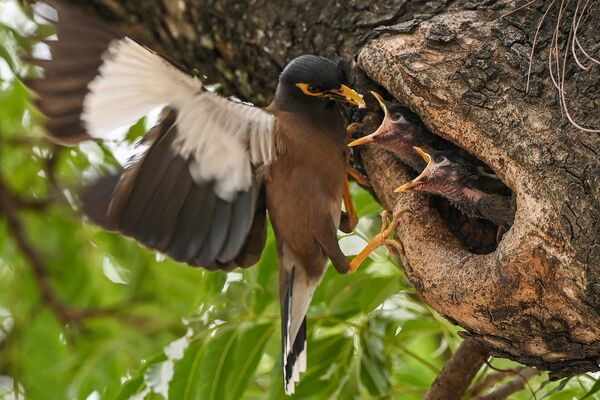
[41, 348]
[185, 381]
[373, 370]
[136, 131]
[206, 369]
[136, 384]
[329, 359]
[593, 390]
[561, 385]
[248, 352]
[6, 56]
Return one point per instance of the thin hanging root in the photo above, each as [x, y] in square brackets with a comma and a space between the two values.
[558, 71]
[585, 13]
[554, 52]
[562, 92]
[537, 31]
[515, 10]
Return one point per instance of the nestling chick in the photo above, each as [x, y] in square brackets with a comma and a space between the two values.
[448, 173]
[399, 132]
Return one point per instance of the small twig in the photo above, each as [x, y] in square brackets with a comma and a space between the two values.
[490, 366]
[29, 203]
[24, 141]
[456, 376]
[50, 165]
[515, 385]
[490, 380]
[515, 10]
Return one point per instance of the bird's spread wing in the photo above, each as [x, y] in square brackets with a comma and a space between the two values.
[196, 193]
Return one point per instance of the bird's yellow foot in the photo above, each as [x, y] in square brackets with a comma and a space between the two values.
[350, 221]
[358, 177]
[381, 239]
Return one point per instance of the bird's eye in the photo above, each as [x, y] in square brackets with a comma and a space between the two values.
[313, 89]
[440, 159]
[396, 116]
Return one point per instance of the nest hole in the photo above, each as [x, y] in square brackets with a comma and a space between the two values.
[478, 235]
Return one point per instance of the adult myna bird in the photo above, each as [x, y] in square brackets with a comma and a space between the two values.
[450, 174]
[212, 167]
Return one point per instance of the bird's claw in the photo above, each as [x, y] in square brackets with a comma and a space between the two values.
[394, 246]
[388, 227]
[383, 238]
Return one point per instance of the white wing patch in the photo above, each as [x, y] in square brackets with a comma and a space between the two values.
[132, 82]
[224, 138]
[221, 139]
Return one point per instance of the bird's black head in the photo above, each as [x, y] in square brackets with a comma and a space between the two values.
[400, 127]
[311, 79]
[447, 173]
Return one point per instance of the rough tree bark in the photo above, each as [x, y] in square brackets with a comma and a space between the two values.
[462, 66]
[454, 380]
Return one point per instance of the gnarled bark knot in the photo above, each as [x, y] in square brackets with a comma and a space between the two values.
[536, 298]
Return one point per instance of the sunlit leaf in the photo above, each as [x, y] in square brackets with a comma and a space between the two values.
[592, 391]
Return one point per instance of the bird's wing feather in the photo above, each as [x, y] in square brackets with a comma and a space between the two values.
[194, 194]
[90, 94]
[156, 201]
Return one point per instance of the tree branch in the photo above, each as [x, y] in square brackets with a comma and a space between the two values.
[459, 371]
[490, 380]
[515, 385]
[31, 203]
[64, 312]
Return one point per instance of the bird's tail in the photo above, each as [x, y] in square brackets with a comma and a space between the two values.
[296, 293]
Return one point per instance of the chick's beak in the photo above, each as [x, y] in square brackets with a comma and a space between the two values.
[383, 127]
[348, 95]
[418, 180]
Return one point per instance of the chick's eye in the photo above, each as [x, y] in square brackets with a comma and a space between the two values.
[440, 159]
[396, 116]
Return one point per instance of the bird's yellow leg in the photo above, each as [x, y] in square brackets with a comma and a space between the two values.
[381, 239]
[349, 205]
[358, 177]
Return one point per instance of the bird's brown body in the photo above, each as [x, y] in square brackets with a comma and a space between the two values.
[305, 185]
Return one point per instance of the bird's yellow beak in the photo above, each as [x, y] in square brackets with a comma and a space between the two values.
[417, 181]
[350, 96]
[343, 93]
[382, 127]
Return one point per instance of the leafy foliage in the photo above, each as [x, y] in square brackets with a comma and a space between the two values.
[164, 330]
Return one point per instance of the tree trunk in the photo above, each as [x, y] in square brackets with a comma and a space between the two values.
[463, 67]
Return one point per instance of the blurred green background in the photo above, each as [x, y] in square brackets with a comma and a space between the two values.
[105, 318]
